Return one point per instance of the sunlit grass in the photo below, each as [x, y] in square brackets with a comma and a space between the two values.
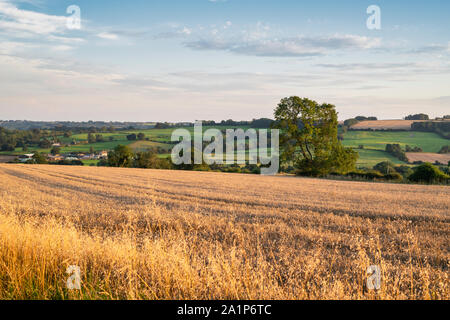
[146, 234]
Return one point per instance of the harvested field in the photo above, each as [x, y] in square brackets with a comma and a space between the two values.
[384, 125]
[428, 157]
[148, 234]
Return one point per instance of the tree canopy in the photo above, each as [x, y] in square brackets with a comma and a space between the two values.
[121, 156]
[309, 137]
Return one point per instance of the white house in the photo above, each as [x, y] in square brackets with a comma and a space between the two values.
[25, 157]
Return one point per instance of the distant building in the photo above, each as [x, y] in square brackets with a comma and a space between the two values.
[25, 157]
[56, 157]
[87, 156]
[103, 154]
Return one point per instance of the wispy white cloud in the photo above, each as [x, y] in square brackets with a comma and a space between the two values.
[432, 48]
[287, 47]
[28, 23]
[108, 36]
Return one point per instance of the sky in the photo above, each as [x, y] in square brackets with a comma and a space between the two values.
[190, 60]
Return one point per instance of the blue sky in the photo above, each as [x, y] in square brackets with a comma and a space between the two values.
[202, 59]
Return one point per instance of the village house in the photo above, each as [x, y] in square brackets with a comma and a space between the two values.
[25, 157]
[103, 154]
[71, 158]
[56, 157]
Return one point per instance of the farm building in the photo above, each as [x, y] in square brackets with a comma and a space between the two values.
[25, 157]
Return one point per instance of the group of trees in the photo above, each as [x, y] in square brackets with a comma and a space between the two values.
[350, 122]
[440, 127]
[427, 173]
[122, 156]
[387, 171]
[261, 123]
[94, 138]
[444, 150]
[413, 149]
[420, 116]
[397, 151]
[134, 137]
[79, 127]
[12, 139]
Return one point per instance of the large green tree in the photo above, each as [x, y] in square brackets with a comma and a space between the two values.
[309, 137]
[121, 156]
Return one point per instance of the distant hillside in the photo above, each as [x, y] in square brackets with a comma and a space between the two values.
[27, 125]
[407, 125]
[384, 125]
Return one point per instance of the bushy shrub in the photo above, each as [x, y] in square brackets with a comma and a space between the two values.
[68, 163]
[413, 149]
[394, 176]
[7, 147]
[37, 159]
[404, 170]
[131, 137]
[427, 173]
[420, 116]
[369, 175]
[373, 174]
[444, 149]
[396, 151]
[385, 167]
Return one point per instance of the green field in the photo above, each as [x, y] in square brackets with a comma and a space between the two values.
[158, 137]
[370, 157]
[428, 141]
[374, 143]
[90, 162]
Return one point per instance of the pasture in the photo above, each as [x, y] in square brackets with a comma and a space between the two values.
[149, 234]
[428, 141]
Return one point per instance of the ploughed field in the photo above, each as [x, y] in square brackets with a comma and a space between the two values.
[149, 234]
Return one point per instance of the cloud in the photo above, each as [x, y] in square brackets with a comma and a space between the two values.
[108, 36]
[432, 48]
[28, 23]
[286, 47]
[177, 33]
[388, 69]
[362, 66]
[142, 82]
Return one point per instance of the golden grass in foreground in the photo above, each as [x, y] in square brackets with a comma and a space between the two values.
[144, 234]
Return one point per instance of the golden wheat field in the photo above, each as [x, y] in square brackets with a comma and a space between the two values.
[149, 234]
